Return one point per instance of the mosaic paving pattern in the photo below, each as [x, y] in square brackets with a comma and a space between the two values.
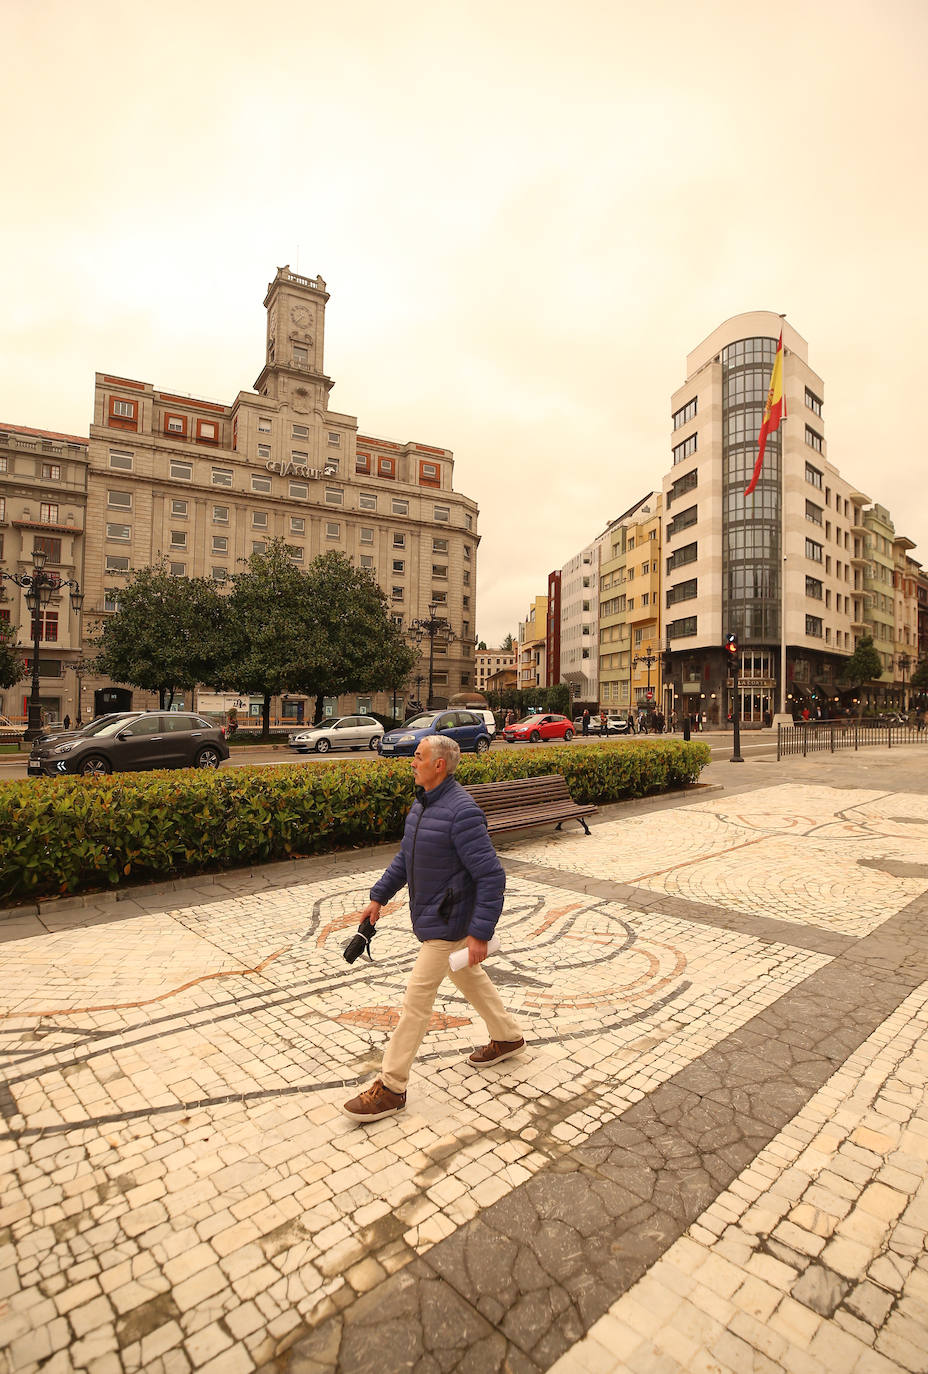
[182, 1193]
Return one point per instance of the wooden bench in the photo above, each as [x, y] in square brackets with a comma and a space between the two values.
[519, 803]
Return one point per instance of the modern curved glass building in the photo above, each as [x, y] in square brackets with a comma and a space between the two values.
[728, 558]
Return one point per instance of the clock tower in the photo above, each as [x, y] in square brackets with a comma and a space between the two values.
[293, 368]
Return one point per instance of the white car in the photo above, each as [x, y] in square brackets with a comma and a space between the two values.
[487, 717]
[342, 732]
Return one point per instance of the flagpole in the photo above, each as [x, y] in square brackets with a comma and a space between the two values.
[783, 539]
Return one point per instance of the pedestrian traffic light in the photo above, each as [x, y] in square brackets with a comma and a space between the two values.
[731, 648]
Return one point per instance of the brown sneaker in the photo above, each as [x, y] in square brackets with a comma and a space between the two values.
[375, 1102]
[495, 1052]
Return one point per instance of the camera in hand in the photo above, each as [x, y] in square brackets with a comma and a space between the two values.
[361, 943]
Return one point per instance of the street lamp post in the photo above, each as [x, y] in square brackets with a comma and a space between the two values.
[647, 658]
[904, 663]
[39, 586]
[80, 668]
[432, 628]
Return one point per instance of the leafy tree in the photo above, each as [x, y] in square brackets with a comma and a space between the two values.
[12, 663]
[507, 645]
[269, 628]
[482, 644]
[165, 635]
[521, 699]
[864, 666]
[919, 679]
[362, 650]
[322, 632]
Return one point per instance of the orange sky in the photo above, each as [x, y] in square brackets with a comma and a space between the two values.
[527, 214]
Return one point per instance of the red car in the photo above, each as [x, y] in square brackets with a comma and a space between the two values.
[535, 728]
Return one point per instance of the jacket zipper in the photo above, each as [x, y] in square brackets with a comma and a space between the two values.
[412, 857]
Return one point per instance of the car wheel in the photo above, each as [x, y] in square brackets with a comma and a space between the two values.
[534, 737]
[208, 758]
[95, 766]
[374, 744]
[323, 746]
[568, 736]
[481, 746]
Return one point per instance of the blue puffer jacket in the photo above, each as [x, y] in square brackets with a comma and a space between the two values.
[456, 881]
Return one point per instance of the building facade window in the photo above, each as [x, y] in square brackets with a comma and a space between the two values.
[441, 513]
[260, 483]
[48, 513]
[366, 535]
[179, 510]
[221, 477]
[684, 450]
[220, 543]
[207, 432]
[299, 490]
[181, 472]
[121, 533]
[366, 501]
[813, 402]
[264, 424]
[814, 626]
[814, 550]
[121, 460]
[116, 563]
[220, 515]
[680, 629]
[178, 539]
[47, 544]
[814, 439]
[399, 507]
[259, 519]
[814, 513]
[51, 472]
[814, 476]
[399, 541]
[333, 530]
[686, 413]
[334, 496]
[119, 500]
[297, 524]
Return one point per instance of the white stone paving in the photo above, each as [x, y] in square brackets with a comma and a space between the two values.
[206, 1197]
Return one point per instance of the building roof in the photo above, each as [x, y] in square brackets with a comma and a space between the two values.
[43, 433]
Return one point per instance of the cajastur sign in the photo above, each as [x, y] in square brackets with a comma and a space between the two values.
[290, 469]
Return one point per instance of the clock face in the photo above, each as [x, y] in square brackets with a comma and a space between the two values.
[300, 316]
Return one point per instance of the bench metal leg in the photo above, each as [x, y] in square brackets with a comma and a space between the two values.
[559, 824]
[582, 820]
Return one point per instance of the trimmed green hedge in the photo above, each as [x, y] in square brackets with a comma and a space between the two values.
[66, 835]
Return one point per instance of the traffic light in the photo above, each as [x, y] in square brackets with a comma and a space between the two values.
[731, 648]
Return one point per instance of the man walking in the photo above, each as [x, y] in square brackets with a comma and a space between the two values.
[456, 884]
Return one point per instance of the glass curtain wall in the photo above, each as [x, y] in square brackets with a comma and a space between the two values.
[751, 559]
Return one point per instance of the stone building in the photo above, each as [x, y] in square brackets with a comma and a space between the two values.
[43, 500]
[204, 484]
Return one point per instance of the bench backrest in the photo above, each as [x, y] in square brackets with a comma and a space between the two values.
[517, 792]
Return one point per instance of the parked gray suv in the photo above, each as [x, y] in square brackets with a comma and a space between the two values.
[131, 742]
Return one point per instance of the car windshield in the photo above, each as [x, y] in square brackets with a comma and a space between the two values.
[106, 724]
[420, 722]
[528, 720]
[323, 725]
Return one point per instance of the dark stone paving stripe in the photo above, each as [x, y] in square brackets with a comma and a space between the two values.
[516, 1287]
[767, 928]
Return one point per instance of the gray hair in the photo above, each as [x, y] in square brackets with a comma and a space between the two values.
[442, 747]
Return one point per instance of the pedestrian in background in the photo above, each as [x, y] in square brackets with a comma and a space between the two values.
[456, 885]
[67, 722]
[585, 721]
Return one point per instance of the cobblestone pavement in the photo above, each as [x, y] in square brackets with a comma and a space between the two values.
[712, 1157]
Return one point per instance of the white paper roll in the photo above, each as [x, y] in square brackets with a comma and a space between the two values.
[459, 958]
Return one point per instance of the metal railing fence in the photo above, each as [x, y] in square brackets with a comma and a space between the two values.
[827, 736]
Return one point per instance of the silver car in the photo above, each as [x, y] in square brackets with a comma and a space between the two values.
[342, 732]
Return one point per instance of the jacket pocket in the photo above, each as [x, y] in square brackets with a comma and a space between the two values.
[447, 905]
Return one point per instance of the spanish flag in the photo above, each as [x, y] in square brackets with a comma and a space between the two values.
[774, 412]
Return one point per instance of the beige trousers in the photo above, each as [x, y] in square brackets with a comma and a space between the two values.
[427, 973]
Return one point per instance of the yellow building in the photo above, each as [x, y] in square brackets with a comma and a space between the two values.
[629, 608]
[531, 653]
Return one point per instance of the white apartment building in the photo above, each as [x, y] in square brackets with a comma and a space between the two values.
[578, 653]
[725, 554]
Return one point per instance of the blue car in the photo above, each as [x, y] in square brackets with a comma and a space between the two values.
[467, 728]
